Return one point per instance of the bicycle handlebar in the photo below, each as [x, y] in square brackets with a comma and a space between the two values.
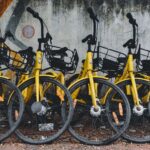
[31, 11]
[131, 19]
[93, 16]
[131, 43]
[42, 39]
[91, 38]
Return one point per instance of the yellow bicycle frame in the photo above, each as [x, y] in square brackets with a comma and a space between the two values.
[129, 74]
[87, 73]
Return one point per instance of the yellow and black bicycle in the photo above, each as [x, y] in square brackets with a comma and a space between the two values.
[10, 106]
[135, 85]
[102, 111]
[45, 97]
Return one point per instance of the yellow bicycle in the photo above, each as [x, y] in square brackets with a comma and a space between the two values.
[9, 107]
[45, 98]
[136, 88]
[102, 111]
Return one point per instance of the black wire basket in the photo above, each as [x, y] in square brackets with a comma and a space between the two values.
[21, 62]
[61, 59]
[143, 61]
[110, 61]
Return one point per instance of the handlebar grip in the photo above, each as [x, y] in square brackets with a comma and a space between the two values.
[131, 19]
[129, 16]
[92, 14]
[90, 11]
[30, 10]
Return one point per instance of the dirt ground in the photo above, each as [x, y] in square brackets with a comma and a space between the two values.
[70, 144]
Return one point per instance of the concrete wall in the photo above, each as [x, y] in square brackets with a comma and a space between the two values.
[68, 22]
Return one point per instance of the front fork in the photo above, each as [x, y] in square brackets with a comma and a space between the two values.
[39, 88]
[37, 85]
[60, 93]
[133, 85]
[38, 67]
[92, 89]
[134, 90]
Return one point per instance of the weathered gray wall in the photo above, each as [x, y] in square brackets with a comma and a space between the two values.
[69, 22]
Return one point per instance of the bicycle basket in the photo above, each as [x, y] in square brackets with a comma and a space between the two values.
[143, 62]
[21, 62]
[61, 59]
[111, 61]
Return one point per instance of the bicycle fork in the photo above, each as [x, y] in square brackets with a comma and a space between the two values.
[138, 109]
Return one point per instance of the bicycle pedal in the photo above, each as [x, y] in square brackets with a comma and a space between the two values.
[46, 126]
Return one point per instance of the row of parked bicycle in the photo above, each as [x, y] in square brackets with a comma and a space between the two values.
[109, 98]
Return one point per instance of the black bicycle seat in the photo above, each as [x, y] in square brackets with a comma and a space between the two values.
[61, 52]
[130, 44]
[29, 50]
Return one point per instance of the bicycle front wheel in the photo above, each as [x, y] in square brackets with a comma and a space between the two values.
[13, 107]
[42, 121]
[138, 130]
[102, 126]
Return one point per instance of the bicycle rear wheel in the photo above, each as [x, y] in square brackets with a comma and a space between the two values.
[106, 126]
[6, 104]
[42, 121]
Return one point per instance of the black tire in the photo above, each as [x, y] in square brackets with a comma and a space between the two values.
[138, 130]
[7, 88]
[105, 119]
[56, 107]
[71, 79]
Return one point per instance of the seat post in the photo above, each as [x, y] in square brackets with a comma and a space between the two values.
[89, 46]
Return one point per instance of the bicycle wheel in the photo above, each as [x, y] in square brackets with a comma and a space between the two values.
[105, 125]
[42, 121]
[71, 79]
[16, 102]
[138, 130]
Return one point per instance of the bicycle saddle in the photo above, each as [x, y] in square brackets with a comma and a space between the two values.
[61, 52]
[29, 50]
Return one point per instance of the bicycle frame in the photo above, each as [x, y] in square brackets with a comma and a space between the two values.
[129, 74]
[87, 72]
[37, 73]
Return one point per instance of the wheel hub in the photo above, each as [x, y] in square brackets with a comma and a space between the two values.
[95, 112]
[38, 108]
[138, 110]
